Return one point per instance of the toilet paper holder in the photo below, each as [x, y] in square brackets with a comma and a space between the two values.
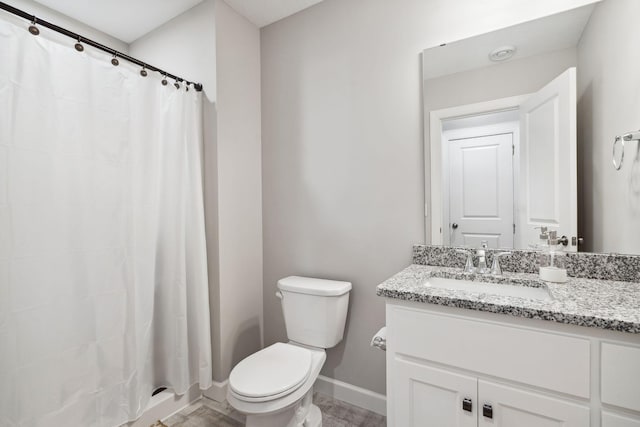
[379, 340]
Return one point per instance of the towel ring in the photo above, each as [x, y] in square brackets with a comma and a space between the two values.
[631, 136]
[618, 165]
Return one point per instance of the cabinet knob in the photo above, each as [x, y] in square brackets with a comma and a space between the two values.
[487, 410]
[467, 405]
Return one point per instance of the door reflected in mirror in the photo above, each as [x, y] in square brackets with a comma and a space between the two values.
[506, 173]
[478, 172]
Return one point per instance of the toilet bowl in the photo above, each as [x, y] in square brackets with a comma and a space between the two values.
[270, 386]
[274, 387]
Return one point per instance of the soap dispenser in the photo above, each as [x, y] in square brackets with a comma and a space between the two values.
[543, 242]
[553, 260]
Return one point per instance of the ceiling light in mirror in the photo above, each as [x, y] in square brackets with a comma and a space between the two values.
[502, 53]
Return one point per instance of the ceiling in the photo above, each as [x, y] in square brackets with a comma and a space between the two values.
[125, 20]
[128, 20]
[265, 12]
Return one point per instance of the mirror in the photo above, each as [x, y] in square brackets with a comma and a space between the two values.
[519, 129]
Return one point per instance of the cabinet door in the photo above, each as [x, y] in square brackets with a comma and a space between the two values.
[609, 419]
[619, 375]
[514, 407]
[430, 397]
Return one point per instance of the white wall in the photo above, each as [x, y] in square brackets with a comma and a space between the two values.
[71, 24]
[343, 158]
[214, 45]
[239, 186]
[608, 105]
[184, 46]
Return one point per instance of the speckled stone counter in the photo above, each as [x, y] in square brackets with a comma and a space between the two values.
[579, 264]
[606, 304]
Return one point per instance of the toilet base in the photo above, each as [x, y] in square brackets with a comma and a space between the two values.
[314, 419]
[302, 414]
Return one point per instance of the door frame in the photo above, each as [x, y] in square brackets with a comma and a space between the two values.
[502, 128]
[433, 177]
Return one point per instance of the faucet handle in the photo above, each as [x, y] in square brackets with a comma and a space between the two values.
[544, 232]
[495, 265]
[468, 267]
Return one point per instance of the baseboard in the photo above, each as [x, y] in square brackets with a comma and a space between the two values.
[218, 391]
[340, 390]
[358, 396]
[164, 404]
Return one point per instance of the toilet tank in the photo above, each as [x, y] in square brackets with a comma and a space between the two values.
[315, 310]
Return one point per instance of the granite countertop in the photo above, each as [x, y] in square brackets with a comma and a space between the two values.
[606, 304]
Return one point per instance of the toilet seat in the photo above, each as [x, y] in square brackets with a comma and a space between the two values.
[271, 373]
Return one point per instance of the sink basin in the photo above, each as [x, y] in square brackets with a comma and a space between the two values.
[528, 292]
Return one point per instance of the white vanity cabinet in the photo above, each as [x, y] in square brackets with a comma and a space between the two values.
[450, 367]
[430, 396]
[427, 396]
[519, 407]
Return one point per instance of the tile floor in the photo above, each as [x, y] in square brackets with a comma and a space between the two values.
[335, 413]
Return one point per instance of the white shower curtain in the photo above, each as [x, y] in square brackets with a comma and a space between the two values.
[103, 281]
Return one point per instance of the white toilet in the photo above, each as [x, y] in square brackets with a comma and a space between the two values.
[274, 386]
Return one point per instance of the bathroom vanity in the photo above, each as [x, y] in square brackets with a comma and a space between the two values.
[565, 355]
[503, 145]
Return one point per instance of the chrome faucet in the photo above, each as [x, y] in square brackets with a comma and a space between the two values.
[482, 257]
[481, 253]
[468, 267]
[495, 266]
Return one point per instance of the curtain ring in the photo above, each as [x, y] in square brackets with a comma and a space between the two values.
[115, 61]
[176, 84]
[32, 28]
[618, 165]
[79, 47]
[143, 72]
[164, 80]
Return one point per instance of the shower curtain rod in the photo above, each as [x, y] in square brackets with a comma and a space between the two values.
[80, 39]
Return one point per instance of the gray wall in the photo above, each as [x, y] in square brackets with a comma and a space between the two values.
[239, 186]
[608, 105]
[342, 149]
[517, 77]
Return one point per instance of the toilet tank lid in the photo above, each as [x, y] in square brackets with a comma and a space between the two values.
[311, 286]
